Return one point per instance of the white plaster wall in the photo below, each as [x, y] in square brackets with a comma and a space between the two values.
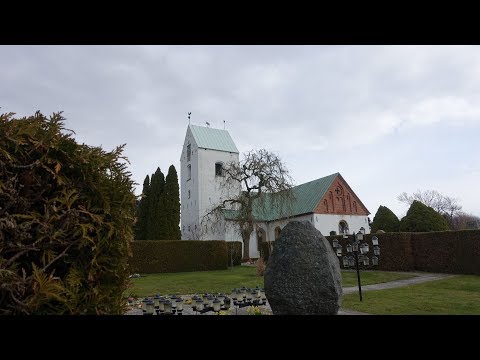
[272, 225]
[210, 190]
[204, 186]
[329, 222]
[188, 206]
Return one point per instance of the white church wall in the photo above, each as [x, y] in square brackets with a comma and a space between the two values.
[329, 222]
[281, 223]
[188, 205]
[209, 185]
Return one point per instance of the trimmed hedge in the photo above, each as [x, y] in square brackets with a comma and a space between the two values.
[152, 256]
[234, 249]
[451, 252]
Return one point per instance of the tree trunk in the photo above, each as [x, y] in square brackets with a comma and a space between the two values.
[246, 246]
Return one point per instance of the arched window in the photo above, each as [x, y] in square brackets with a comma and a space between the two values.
[355, 206]
[260, 238]
[218, 169]
[189, 172]
[278, 230]
[325, 203]
[343, 227]
[189, 151]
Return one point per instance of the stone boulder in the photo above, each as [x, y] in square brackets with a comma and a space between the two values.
[303, 273]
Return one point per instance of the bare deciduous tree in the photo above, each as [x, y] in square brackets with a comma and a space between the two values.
[463, 221]
[196, 232]
[443, 204]
[265, 187]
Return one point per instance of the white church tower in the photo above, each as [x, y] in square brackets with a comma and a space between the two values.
[204, 153]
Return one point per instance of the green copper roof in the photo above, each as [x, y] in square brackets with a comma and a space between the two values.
[307, 196]
[214, 139]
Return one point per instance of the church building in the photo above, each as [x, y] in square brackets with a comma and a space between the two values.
[329, 203]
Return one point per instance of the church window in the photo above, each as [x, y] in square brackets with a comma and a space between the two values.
[325, 202]
[218, 169]
[188, 152]
[343, 227]
[260, 238]
[189, 172]
[277, 232]
[188, 227]
[189, 194]
[355, 206]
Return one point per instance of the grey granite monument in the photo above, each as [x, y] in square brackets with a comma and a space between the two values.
[303, 273]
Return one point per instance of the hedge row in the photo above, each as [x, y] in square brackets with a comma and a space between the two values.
[234, 249]
[453, 252]
[151, 256]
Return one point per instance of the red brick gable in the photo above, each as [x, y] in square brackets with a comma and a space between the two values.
[340, 199]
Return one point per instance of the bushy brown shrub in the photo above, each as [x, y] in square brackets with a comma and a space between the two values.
[260, 267]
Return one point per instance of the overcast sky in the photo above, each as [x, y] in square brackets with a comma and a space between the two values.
[388, 118]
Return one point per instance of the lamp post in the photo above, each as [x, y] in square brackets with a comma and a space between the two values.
[357, 253]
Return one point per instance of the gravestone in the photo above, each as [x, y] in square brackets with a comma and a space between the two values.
[303, 273]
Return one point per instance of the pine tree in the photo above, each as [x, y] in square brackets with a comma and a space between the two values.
[142, 212]
[172, 204]
[421, 217]
[385, 220]
[157, 222]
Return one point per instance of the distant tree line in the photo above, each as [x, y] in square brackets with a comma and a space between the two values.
[158, 211]
[429, 211]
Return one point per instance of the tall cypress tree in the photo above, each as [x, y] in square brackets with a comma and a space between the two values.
[421, 217]
[172, 204]
[142, 212]
[156, 217]
[385, 220]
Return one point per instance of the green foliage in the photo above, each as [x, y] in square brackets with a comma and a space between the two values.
[385, 220]
[157, 220]
[152, 256]
[459, 295]
[422, 218]
[234, 252]
[172, 204]
[66, 219]
[141, 226]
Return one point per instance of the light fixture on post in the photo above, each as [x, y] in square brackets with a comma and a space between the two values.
[357, 253]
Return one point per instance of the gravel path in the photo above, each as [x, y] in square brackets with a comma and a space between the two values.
[419, 278]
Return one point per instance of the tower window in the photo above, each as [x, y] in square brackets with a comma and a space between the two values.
[188, 152]
[189, 194]
[218, 169]
[189, 172]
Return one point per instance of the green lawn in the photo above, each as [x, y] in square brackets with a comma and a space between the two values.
[459, 295]
[226, 280]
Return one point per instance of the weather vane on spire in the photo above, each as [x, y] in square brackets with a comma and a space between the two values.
[189, 117]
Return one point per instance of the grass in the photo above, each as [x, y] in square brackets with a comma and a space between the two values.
[225, 280]
[459, 295]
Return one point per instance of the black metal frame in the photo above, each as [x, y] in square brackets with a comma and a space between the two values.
[353, 241]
